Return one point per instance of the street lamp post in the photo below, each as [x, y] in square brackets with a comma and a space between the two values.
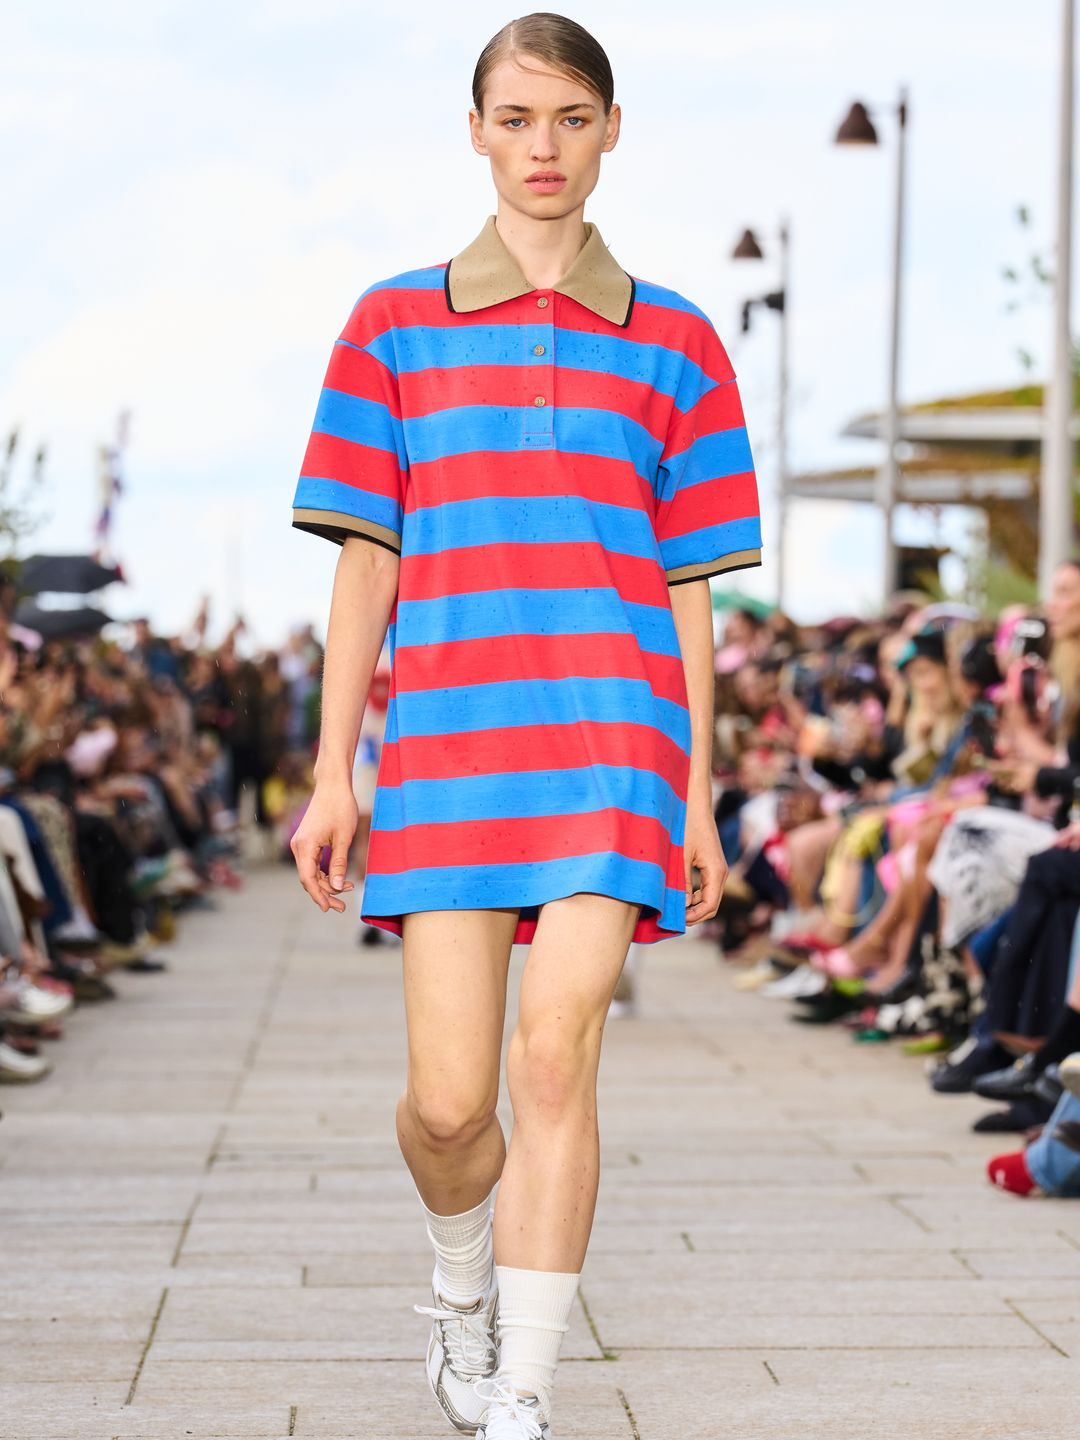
[858, 129]
[749, 249]
[1056, 511]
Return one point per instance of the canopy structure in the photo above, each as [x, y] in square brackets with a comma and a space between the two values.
[70, 577]
[66, 574]
[981, 450]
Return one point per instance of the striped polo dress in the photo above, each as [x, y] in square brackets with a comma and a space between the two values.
[547, 463]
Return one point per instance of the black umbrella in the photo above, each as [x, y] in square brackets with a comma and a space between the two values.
[60, 624]
[67, 574]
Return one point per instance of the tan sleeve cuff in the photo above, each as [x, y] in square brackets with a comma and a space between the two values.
[738, 560]
[337, 526]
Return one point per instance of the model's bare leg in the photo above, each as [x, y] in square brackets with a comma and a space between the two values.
[455, 965]
[547, 1196]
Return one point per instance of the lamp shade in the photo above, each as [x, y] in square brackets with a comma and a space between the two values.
[747, 248]
[857, 128]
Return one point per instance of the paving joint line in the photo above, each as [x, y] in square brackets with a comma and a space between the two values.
[215, 1149]
[184, 1228]
[771, 1372]
[1032, 1326]
[961, 1259]
[631, 1417]
[898, 1204]
[146, 1347]
[605, 1353]
[292, 1419]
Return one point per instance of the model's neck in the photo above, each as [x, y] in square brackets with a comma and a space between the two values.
[545, 249]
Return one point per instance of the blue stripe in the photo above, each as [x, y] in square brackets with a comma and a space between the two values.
[316, 493]
[528, 793]
[532, 519]
[713, 542]
[499, 704]
[584, 611]
[364, 422]
[712, 457]
[463, 429]
[646, 293]
[459, 887]
[411, 349]
[429, 277]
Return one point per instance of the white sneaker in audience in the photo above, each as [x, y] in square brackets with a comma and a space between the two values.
[803, 981]
[19, 1069]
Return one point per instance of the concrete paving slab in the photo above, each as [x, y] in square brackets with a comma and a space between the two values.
[203, 1212]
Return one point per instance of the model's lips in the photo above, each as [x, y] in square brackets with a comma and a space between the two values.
[546, 180]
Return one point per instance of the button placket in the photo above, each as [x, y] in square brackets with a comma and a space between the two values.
[539, 359]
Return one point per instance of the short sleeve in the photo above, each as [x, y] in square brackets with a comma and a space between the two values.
[708, 516]
[352, 481]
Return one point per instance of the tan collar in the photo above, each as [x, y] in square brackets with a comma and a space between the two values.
[485, 273]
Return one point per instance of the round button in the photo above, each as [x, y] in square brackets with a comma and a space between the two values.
[539, 400]
[538, 349]
[542, 302]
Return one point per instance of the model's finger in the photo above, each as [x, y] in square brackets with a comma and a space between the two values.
[339, 862]
[307, 865]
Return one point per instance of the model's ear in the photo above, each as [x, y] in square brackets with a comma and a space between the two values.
[611, 132]
[476, 133]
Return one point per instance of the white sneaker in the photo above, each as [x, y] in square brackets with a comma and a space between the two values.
[510, 1416]
[29, 1004]
[19, 1069]
[804, 981]
[462, 1350]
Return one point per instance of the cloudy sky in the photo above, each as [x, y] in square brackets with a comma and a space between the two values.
[195, 194]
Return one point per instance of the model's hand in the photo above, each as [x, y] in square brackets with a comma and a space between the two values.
[702, 848]
[330, 819]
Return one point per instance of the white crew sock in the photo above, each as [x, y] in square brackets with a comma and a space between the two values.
[464, 1255]
[534, 1315]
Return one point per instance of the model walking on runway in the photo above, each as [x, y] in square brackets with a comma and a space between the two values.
[532, 462]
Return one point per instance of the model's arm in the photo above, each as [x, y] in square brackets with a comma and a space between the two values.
[365, 584]
[691, 607]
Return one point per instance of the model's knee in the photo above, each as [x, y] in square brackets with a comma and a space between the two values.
[448, 1117]
[550, 1069]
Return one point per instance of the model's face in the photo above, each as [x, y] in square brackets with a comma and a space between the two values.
[537, 121]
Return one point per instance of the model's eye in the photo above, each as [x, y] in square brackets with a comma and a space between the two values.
[515, 120]
[576, 120]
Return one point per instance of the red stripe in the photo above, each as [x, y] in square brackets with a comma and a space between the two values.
[426, 392]
[712, 502]
[720, 410]
[485, 473]
[545, 657]
[512, 748]
[328, 457]
[649, 324]
[505, 565]
[355, 372]
[529, 839]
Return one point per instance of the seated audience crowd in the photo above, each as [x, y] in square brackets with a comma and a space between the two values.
[900, 805]
[899, 801]
[121, 772]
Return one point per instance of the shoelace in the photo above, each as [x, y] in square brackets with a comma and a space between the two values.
[466, 1338]
[513, 1420]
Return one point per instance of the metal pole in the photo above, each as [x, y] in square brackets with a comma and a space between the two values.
[1056, 512]
[889, 474]
[781, 418]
